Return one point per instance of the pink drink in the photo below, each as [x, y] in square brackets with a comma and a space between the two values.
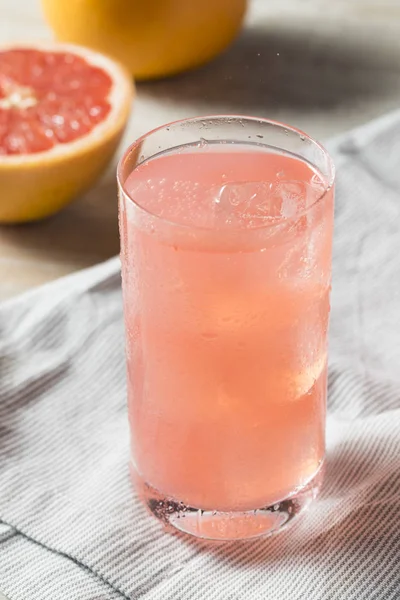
[226, 291]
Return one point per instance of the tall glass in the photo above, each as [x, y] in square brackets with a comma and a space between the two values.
[226, 233]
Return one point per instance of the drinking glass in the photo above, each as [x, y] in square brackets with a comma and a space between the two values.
[226, 234]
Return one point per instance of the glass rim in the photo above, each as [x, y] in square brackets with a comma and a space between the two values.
[240, 118]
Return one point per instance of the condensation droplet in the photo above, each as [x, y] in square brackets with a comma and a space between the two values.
[226, 318]
[209, 335]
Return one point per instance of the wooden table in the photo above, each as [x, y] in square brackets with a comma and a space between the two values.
[320, 65]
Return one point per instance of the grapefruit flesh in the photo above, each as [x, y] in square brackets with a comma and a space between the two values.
[48, 98]
[63, 110]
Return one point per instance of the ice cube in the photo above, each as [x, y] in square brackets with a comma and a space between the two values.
[308, 376]
[246, 204]
[252, 204]
[293, 197]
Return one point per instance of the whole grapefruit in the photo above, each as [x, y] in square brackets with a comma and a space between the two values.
[153, 38]
[63, 110]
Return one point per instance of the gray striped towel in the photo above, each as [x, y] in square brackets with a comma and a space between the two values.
[70, 526]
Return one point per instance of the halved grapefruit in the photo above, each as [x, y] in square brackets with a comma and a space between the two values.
[152, 38]
[63, 109]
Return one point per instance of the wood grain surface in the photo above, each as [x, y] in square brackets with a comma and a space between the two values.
[320, 65]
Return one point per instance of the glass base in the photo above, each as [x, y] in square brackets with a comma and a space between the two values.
[232, 525]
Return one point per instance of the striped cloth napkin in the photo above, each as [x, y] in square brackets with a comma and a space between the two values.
[70, 526]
